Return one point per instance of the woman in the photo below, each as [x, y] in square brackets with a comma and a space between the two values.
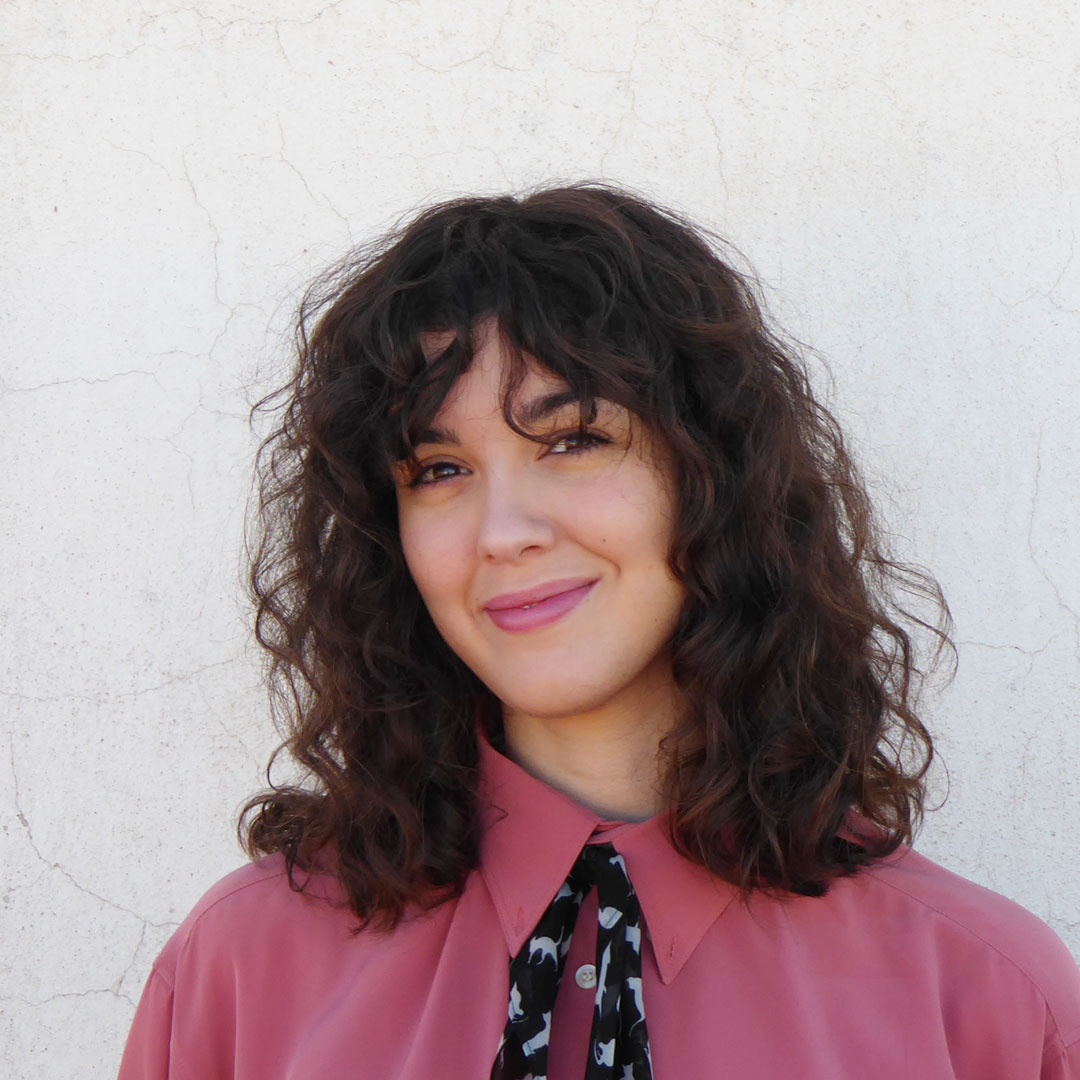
[567, 580]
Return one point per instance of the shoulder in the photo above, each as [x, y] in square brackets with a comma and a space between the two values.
[251, 907]
[974, 932]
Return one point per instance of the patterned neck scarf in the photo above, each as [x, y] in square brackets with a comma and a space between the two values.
[619, 1041]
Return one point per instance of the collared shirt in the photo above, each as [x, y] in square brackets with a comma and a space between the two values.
[903, 971]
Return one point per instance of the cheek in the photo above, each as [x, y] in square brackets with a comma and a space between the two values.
[433, 556]
[632, 520]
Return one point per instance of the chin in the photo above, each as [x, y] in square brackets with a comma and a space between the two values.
[550, 697]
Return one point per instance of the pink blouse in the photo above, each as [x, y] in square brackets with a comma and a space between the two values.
[904, 970]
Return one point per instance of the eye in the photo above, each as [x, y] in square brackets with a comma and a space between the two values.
[571, 442]
[586, 440]
[426, 475]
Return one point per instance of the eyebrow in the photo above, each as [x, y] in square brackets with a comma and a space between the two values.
[534, 411]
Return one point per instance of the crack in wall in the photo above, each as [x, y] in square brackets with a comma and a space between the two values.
[28, 830]
[67, 994]
[628, 79]
[143, 154]
[112, 697]
[6, 389]
[213, 229]
[148, 21]
[116, 988]
[1036, 562]
[303, 180]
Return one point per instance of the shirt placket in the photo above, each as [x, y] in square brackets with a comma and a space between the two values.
[572, 1021]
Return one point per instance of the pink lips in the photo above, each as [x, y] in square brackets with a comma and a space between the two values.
[545, 604]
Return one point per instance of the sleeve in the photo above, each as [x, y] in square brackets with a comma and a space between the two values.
[146, 1054]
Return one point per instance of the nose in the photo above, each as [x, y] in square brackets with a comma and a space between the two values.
[512, 521]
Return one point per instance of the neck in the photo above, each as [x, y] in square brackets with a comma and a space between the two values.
[606, 760]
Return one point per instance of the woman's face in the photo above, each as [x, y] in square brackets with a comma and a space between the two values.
[493, 513]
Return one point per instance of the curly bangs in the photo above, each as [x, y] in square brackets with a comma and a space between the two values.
[791, 649]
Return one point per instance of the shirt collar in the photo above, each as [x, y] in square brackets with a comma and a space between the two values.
[532, 836]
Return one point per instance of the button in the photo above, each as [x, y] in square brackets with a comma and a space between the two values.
[585, 976]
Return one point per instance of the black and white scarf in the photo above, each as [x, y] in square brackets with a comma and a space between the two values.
[619, 1040]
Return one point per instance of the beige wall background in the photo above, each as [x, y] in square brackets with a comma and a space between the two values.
[903, 176]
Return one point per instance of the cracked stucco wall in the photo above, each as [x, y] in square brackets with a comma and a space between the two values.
[903, 176]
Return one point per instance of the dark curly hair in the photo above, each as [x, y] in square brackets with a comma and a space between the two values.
[791, 648]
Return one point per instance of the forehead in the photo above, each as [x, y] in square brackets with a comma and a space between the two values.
[433, 342]
[490, 368]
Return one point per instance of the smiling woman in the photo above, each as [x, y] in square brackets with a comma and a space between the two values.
[566, 579]
[543, 565]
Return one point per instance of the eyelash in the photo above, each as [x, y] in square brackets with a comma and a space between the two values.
[590, 439]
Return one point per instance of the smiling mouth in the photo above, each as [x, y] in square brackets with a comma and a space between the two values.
[539, 613]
